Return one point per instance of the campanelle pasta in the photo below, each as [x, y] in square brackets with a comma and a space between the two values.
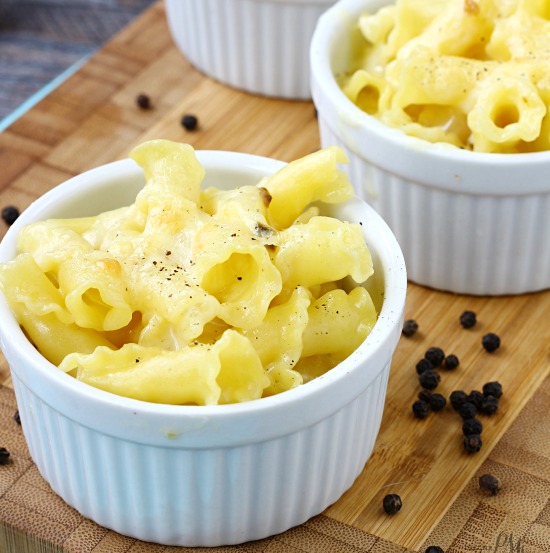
[472, 73]
[193, 296]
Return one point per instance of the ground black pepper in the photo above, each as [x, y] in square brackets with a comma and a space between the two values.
[143, 101]
[421, 409]
[4, 456]
[392, 503]
[491, 342]
[451, 362]
[472, 426]
[468, 319]
[410, 326]
[492, 389]
[10, 214]
[429, 379]
[435, 356]
[489, 483]
[472, 443]
[189, 122]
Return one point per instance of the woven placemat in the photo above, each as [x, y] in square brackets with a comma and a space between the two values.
[516, 520]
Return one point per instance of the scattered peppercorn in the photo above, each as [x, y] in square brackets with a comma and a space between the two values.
[489, 405]
[16, 417]
[189, 122]
[143, 101]
[467, 410]
[425, 395]
[423, 365]
[434, 549]
[468, 319]
[4, 456]
[475, 397]
[451, 362]
[421, 409]
[492, 389]
[437, 402]
[472, 426]
[410, 326]
[457, 398]
[489, 483]
[429, 379]
[392, 503]
[10, 214]
[435, 356]
[472, 443]
[491, 342]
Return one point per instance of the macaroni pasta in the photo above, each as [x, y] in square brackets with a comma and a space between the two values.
[193, 296]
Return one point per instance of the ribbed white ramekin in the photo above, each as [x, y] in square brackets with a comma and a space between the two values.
[467, 222]
[214, 475]
[260, 46]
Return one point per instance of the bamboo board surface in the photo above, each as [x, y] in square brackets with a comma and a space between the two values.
[92, 119]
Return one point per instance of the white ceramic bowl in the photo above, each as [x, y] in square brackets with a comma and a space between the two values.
[213, 475]
[467, 222]
[260, 46]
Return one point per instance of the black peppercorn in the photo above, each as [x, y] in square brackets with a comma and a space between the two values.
[457, 398]
[468, 319]
[10, 214]
[143, 101]
[437, 402]
[421, 409]
[489, 405]
[410, 326]
[429, 379]
[472, 443]
[489, 483]
[491, 342]
[467, 410]
[475, 397]
[392, 503]
[423, 365]
[16, 417]
[492, 389]
[425, 395]
[435, 356]
[434, 549]
[189, 122]
[472, 426]
[4, 456]
[451, 362]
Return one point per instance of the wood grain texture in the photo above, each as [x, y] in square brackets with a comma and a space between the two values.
[92, 119]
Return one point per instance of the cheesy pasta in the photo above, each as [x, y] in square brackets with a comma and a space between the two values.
[471, 73]
[199, 297]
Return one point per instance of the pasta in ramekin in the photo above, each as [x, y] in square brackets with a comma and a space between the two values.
[471, 73]
[201, 297]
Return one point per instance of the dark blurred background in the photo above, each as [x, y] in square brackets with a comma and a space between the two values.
[42, 40]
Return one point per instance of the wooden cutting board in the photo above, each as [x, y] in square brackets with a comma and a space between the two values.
[91, 119]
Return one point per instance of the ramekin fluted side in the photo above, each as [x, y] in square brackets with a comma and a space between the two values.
[253, 490]
[480, 244]
[260, 46]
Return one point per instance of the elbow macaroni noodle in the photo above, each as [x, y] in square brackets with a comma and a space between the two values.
[194, 296]
[471, 73]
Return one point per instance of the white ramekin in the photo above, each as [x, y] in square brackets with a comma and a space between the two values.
[215, 475]
[470, 223]
[260, 46]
